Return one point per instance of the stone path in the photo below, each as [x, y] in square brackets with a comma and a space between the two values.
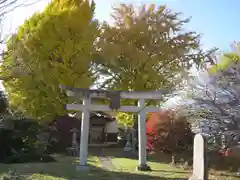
[106, 162]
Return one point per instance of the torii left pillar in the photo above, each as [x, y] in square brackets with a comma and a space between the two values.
[84, 135]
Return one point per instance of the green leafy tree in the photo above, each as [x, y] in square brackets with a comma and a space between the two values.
[51, 48]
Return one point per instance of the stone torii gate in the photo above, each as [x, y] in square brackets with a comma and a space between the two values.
[114, 96]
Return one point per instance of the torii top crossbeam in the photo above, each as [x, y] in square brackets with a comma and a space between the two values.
[95, 93]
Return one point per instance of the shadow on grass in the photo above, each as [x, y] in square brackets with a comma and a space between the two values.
[156, 157]
[220, 163]
[167, 171]
[215, 160]
[65, 170]
[28, 158]
[226, 175]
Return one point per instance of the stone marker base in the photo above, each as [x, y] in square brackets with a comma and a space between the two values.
[192, 178]
[82, 168]
[144, 167]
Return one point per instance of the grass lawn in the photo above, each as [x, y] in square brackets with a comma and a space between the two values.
[64, 169]
[166, 171]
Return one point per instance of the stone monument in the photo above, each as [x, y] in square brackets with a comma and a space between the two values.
[75, 144]
[134, 140]
[128, 145]
[200, 171]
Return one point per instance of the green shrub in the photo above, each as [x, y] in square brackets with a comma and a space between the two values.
[25, 134]
[27, 142]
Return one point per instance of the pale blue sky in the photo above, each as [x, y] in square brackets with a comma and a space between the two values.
[216, 20]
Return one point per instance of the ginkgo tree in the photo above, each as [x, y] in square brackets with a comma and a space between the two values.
[125, 119]
[146, 48]
[51, 48]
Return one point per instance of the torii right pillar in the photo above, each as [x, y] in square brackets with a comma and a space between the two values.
[142, 139]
